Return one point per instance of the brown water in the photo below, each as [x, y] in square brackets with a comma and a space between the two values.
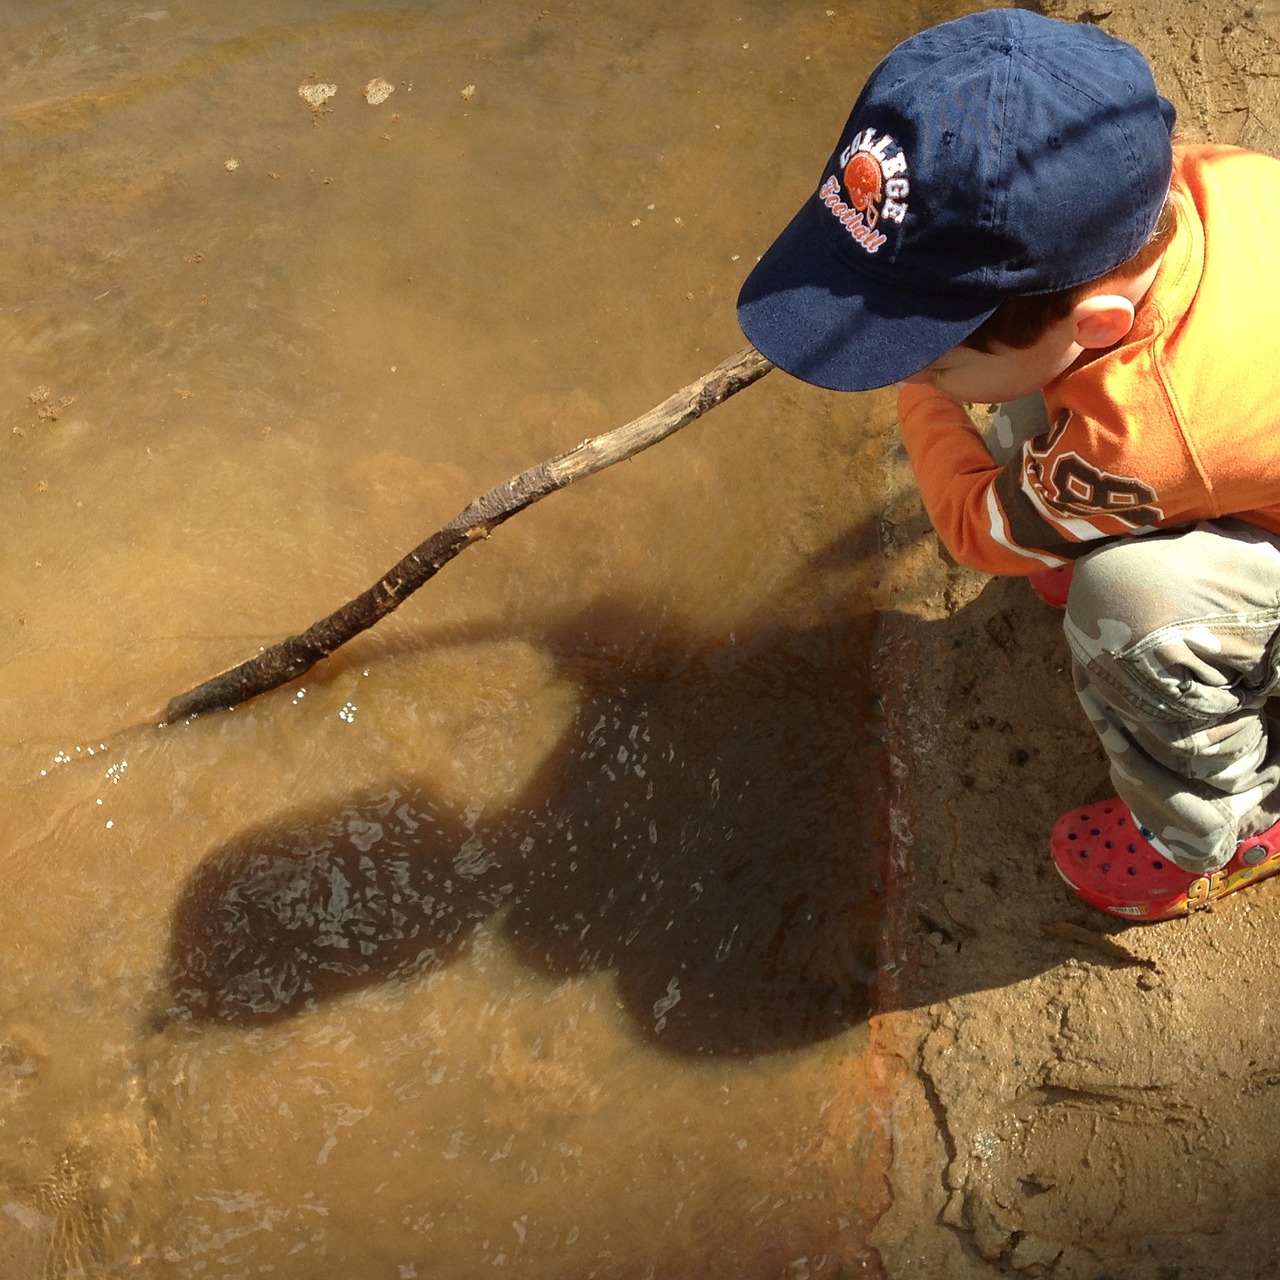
[537, 929]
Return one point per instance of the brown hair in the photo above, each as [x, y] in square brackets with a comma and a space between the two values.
[1021, 322]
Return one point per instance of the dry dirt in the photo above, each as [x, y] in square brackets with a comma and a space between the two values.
[1074, 1097]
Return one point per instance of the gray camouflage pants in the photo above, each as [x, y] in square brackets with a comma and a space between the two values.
[1175, 642]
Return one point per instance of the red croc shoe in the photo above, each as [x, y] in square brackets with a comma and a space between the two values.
[1053, 585]
[1103, 853]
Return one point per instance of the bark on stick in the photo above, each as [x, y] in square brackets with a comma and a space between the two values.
[295, 656]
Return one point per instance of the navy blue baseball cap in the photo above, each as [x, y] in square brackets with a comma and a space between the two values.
[1000, 154]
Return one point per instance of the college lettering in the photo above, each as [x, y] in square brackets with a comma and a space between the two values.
[893, 168]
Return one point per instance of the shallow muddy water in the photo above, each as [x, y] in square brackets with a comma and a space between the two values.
[537, 928]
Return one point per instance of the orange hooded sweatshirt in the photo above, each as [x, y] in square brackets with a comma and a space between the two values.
[1178, 422]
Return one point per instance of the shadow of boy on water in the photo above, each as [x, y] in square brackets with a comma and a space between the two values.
[710, 829]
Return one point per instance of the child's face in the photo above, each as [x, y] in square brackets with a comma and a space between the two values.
[1007, 373]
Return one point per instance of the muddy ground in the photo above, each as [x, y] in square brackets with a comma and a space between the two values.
[1073, 1097]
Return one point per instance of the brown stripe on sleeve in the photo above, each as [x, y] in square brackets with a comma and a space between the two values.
[1027, 527]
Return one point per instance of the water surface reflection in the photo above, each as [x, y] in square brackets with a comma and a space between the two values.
[709, 829]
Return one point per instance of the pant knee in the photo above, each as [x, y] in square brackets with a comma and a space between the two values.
[1117, 598]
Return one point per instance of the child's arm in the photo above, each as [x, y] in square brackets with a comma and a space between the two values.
[957, 480]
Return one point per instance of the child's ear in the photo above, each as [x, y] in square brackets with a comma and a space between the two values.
[1102, 320]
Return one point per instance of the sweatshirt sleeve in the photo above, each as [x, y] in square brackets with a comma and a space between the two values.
[960, 484]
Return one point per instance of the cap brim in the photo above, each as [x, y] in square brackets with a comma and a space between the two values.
[819, 320]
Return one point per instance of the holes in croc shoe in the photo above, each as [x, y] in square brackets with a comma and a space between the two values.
[1157, 865]
[1106, 866]
[1133, 871]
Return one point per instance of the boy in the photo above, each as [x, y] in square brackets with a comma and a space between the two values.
[1005, 219]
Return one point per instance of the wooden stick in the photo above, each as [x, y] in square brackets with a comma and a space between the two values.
[298, 654]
